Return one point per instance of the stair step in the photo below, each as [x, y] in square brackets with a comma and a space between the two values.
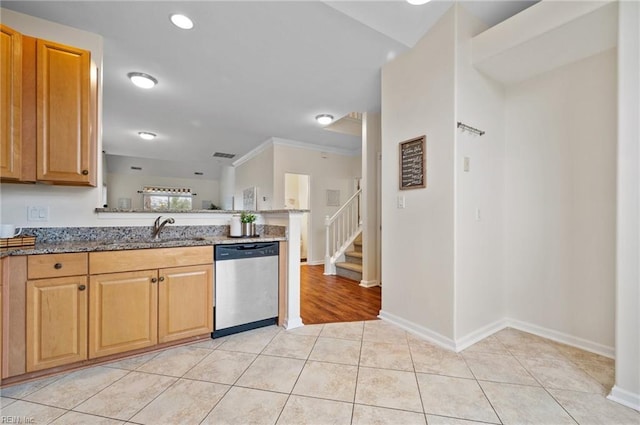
[357, 246]
[350, 271]
[353, 257]
[350, 266]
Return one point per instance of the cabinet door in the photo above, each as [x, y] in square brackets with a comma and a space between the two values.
[11, 104]
[185, 302]
[65, 140]
[123, 312]
[56, 322]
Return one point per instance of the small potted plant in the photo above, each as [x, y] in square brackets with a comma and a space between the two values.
[248, 225]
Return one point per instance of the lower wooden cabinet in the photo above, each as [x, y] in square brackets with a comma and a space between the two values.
[123, 312]
[133, 310]
[185, 302]
[56, 331]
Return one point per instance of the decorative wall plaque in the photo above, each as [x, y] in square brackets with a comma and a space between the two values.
[413, 164]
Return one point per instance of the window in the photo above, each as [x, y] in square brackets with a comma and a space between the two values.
[167, 198]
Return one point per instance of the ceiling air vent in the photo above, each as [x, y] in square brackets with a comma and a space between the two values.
[133, 167]
[224, 155]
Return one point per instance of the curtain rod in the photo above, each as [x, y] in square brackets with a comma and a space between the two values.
[469, 128]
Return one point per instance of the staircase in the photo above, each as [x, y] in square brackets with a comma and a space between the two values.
[351, 268]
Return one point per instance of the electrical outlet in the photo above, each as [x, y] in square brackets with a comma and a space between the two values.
[38, 213]
[466, 164]
[400, 201]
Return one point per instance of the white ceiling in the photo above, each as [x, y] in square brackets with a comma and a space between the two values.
[248, 71]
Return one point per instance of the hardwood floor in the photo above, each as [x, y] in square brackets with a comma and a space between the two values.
[326, 299]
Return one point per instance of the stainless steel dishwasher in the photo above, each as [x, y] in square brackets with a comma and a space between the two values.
[246, 287]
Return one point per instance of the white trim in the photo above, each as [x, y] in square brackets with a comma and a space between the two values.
[369, 283]
[253, 152]
[276, 141]
[479, 334]
[562, 337]
[320, 148]
[625, 398]
[418, 330]
[296, 322]
[315, 262]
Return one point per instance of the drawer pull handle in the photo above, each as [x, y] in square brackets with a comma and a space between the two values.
[57, 266]
[82, 287]
[85, 172]
[154, 280]
[161, 279]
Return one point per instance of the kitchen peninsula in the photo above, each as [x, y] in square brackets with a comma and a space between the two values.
[121, 293]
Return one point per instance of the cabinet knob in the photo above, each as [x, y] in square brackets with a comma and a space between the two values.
[57, 266]
[154, 280]
[85, 172]
[82, 287]
[161, 279]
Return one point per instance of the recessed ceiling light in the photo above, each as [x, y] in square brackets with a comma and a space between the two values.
[142, 80]
[146, 135]
[324, 119]
[417, 2]
[181, 21]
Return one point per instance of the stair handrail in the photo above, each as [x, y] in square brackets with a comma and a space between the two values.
[341, 229]
[329, 220]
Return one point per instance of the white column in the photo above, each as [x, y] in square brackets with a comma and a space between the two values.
[370, 147]
[627, 386]
[293, 319]
[227, 187]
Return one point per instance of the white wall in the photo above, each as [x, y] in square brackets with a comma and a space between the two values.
[68, 205]
[128, 185]
[479, 298]
[627, 386]
[256, 171]
[417, 241]
[326, 171]
[560, 180]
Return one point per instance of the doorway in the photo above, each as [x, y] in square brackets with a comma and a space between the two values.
[297, 195]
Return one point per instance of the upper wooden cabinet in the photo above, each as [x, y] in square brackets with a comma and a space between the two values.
[11, 106]
[65, 146]
[52, 135]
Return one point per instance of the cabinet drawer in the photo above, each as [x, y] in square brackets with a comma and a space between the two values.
[148, 259]
[56, 265]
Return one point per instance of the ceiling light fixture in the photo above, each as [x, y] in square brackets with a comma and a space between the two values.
[142, 80]
[324, 119]
[417, 2]
[181, 21]
[146, 135]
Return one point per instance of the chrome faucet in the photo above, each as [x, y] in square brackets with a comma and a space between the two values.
[157, 226]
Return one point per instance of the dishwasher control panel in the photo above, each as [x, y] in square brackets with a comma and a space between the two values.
[249, 250]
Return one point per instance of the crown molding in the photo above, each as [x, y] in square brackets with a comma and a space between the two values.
[276, 141]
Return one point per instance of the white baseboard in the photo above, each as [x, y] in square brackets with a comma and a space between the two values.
[315, 263]
[293, 323]
[488, 330]
[418, 330]
[625, 398]
[562, 337]
[479, 334]
[369, 283]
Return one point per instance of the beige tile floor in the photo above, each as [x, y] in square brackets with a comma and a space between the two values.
[341, 373]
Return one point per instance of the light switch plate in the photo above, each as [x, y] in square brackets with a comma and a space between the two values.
[37, 213]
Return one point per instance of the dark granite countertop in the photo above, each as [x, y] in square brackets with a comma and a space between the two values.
[110, 245]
